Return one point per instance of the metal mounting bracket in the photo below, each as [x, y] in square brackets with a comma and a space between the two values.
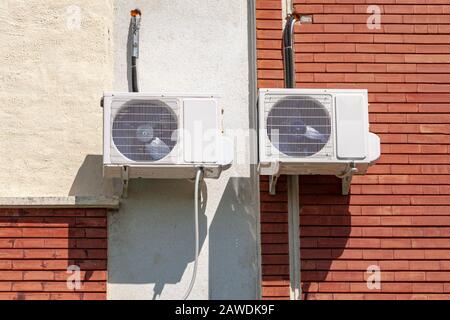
[125, 180]
[273, 185]
[274, 179]
[347, 178]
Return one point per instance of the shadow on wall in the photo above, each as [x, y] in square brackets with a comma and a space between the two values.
[325, 226]
[232, 235]
[89, 180]
[155, 243]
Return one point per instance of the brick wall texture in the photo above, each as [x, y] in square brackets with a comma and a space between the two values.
[398, 216]
[37, 246]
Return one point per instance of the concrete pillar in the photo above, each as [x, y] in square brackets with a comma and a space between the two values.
[194, 46]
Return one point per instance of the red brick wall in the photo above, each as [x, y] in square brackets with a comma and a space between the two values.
[37, 246]
[397, 217]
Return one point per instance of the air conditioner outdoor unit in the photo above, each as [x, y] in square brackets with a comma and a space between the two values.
[163, 136]
[315, 131]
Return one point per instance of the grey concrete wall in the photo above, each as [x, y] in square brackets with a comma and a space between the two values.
[200, 46]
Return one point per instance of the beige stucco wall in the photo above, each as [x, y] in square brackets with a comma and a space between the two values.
[55, 62]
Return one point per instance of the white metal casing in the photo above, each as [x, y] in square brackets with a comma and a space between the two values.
[350, 142]
[199, 140]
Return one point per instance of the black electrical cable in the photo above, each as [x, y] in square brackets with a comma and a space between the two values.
[288, 52]
[135, 26]
[134, 76]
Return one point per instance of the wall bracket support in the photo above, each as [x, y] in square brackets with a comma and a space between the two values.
[273, 185]
[273, 179]
[347, 178]
[125, 181]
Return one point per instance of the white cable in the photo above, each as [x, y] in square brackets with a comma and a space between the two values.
[198, 179]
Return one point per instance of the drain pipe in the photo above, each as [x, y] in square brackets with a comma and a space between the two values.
[292, 181]
[135, 27]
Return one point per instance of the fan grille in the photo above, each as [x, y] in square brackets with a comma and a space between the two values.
[145, 130]
[299, 126]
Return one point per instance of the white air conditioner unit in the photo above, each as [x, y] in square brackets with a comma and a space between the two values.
[163, 136]
[315, 131]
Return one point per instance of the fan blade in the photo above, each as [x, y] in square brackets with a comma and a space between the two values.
[157, 149]
[313, 134]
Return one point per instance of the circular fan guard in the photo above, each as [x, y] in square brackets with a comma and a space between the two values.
[145, 130]
[299, 126]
